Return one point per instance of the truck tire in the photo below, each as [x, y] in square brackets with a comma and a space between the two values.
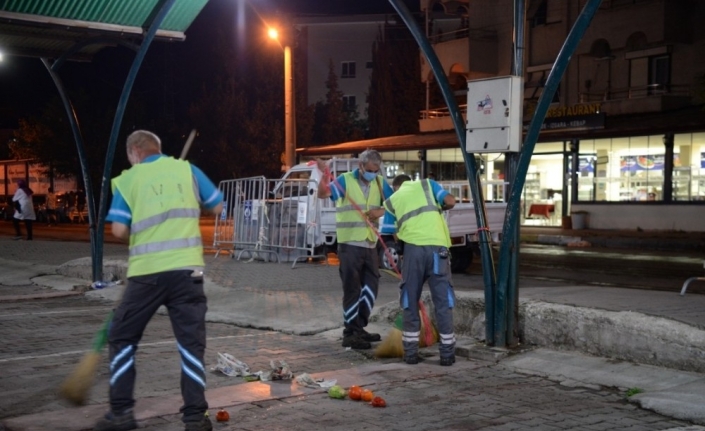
[460, 259]
[394, 254]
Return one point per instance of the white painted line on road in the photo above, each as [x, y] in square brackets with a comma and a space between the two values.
[156, 343]
[42, 313]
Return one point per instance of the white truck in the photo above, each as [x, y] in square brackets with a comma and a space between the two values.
[462, 222]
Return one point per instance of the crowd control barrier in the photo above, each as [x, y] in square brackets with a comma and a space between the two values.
[271, 220]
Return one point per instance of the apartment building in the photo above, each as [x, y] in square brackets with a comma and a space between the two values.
[624, 139]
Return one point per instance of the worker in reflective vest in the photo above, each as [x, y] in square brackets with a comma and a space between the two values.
[156, 208]
[417, 207]
[357, 241]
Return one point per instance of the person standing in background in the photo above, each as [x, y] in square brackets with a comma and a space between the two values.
[24, 209]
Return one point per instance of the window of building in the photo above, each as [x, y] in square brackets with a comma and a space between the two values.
[649, 71]
[540, 13]
[349, 103]
[348, 69]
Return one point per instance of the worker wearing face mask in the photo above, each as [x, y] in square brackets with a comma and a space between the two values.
[358, 196]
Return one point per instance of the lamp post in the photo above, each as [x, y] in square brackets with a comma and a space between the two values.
[289, 108]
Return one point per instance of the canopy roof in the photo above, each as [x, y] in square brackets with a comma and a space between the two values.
[50, 28]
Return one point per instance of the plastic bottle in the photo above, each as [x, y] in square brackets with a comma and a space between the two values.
[103, 284]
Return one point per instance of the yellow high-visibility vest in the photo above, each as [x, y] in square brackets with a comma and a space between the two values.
[419, 217]
[164, 232]
[349, 223]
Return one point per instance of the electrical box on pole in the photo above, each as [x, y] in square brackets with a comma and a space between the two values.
[494, 123]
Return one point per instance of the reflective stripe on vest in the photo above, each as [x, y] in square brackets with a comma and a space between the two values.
[161, 218]
[172, 244]
[429, 207]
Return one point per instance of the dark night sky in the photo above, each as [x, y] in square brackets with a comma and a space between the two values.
[25, 85]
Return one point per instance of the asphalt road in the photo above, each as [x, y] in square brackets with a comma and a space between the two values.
[637, 268]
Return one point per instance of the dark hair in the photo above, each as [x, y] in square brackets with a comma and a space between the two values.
[400, 179]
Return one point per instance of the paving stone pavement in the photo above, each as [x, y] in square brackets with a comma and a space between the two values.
[44, 338]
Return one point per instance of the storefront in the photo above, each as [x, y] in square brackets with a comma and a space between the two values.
[621, 181]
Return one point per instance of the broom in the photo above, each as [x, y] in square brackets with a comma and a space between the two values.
[77, 385]
[392, 346]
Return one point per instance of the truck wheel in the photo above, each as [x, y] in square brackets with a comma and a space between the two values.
[394, 255]
[460, 260]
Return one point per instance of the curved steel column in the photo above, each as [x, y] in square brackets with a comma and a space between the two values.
[162, 9]
[554, 79]
[470, 165]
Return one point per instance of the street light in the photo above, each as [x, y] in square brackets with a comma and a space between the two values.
[289, 122]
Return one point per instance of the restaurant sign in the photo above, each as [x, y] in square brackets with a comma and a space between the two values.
[577, 117]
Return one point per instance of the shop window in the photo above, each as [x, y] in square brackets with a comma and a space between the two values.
[649, 71]
[348, 69]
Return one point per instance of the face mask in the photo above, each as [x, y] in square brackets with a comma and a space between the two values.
[369, 176]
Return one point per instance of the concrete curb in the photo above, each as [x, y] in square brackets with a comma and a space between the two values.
[624, 335]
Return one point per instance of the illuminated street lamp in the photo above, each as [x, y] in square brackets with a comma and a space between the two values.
[289, 122]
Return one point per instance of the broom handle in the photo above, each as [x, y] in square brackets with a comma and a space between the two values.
[101, 337]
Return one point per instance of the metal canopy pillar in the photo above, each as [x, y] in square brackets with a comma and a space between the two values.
[160, 11]
[513, 206]
[471, 170]
[96, 219]
[498, 320]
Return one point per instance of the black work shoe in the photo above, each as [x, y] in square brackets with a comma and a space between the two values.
[412, 360]
[204, 425]
[448, 360]
[112, 422]
[356, 342]
[369, 337]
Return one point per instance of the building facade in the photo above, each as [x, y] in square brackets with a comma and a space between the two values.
[624, 139]
[347, 43]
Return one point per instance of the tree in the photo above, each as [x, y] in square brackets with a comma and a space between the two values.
[239, 114]
[395, 96]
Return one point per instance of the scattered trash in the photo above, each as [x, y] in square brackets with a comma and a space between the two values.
[378, 402]
[103, 284]
[305, 379]
[230, 366]
[222, 416]
[278, 372]
[337, 392]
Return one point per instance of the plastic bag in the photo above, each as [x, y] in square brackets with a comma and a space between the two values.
[231, 366]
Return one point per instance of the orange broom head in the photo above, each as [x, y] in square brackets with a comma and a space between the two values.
[392, 346]
[76, 387]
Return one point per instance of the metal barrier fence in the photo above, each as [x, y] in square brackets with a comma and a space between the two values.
[234, 194]
[270, 219]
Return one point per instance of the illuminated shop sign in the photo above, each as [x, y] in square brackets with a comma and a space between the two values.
[575, 117]
[646, 163]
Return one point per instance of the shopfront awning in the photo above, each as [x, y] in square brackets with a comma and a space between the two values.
[49, 29]
[684, 120]
[391, 143]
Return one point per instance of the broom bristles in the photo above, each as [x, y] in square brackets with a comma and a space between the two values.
[77, 385]
[393, 347]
